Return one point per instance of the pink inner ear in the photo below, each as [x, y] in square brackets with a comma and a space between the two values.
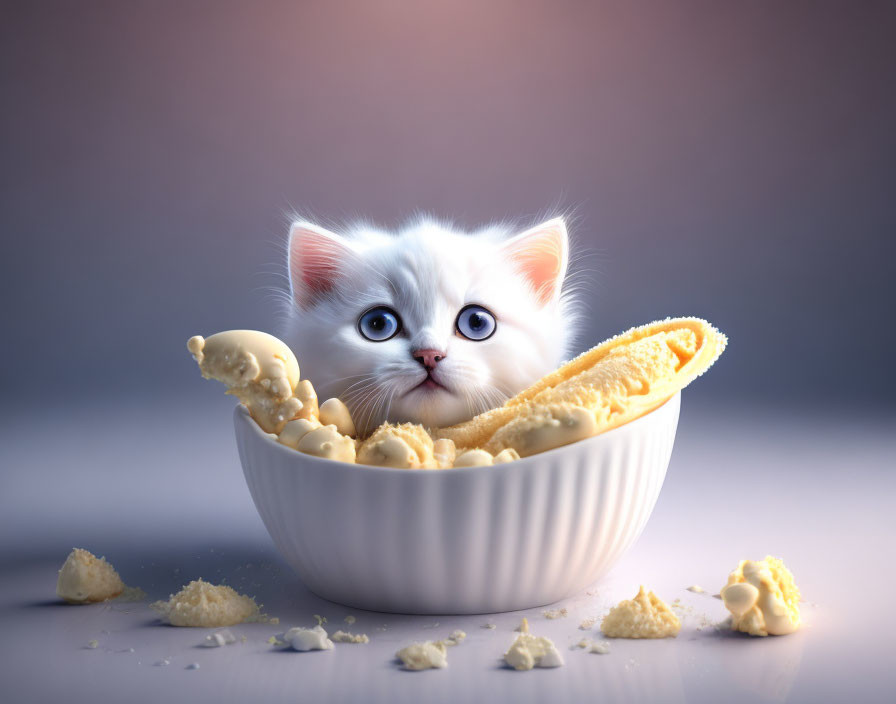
[540, 255]
[314, 258]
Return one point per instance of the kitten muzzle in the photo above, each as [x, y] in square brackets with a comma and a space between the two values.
[429, 384]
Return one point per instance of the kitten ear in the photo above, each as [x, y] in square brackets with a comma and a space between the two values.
[541, 255]
[315, 258]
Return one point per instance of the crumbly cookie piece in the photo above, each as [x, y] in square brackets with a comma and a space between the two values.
[203, 605]
[645, 616]
[85, 578]
[346, 637]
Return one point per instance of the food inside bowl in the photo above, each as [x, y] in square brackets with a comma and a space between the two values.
[613, 383]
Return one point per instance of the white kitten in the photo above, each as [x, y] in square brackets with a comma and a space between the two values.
[428, 325]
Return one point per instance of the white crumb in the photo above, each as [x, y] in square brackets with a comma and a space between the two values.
[218, 638]
[305, 639]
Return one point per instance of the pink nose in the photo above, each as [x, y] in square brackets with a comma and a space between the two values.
[428, 358]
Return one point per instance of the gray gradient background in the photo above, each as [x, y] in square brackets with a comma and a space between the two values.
[731, 160]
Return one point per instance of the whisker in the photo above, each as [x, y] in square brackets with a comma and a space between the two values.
[380, 403]
[371, 400]
[365, 380]
[388, 408]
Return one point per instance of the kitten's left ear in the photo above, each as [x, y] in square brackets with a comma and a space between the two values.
[316, 257]
[541, 255]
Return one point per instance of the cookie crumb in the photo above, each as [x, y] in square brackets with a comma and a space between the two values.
[555, 613]
[588, 623]
[345, 637]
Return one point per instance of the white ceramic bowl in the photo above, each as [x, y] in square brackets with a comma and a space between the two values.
[460, 541]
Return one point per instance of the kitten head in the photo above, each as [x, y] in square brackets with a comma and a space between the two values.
[428, 325]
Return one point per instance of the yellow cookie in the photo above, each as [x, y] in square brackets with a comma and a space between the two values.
[617, 381]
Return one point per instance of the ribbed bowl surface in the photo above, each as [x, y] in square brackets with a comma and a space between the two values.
[459, 541]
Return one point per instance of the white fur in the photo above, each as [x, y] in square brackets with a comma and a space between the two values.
[426, 272]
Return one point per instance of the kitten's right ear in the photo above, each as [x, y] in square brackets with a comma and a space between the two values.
[541, 255]
[315, 259]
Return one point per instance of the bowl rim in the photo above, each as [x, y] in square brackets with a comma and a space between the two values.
[241, 414]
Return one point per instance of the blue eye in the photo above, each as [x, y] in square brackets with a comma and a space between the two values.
[476, 323]
[379, 324]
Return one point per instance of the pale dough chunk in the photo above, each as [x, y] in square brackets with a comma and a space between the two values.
[405, 446]
[327, 442]
[763, 598]
[645, 616]
[204, 605]
[295, 430]
[474, 458]
[335, 412]
[444, 453]
[528, 651]
[260, 370]
[305, 392]
[506, 455]
[86, 578]
[388, 451]
[617, 381]
[424, 656]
